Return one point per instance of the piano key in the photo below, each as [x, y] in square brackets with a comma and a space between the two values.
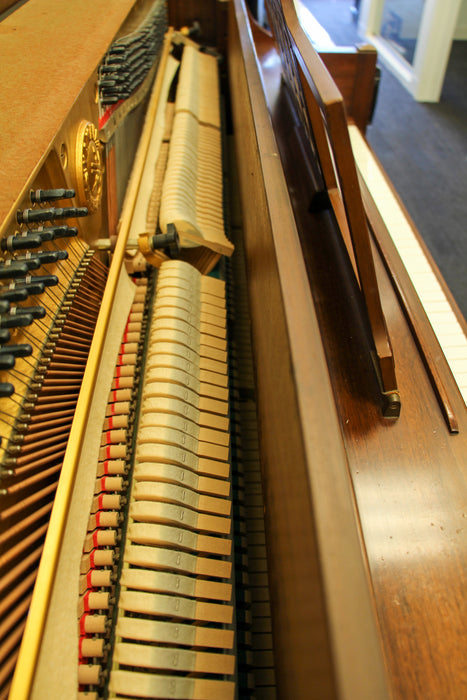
[440, 314]
[167, 535]
[175, 389]
[173, 659]
[217, 439]
[157, 604]
[171, 404]
[163, 491]
[153, 471]
[167, 494]
[206, 374]
[178, 376]
[157, 686]
[160, 512]
[156, 557]
[214, 349]
[175, 584]
[156, 631]
[172, 454]
[168, 297]
[153, 435]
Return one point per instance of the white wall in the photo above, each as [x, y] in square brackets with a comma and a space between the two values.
[442, 21]
[461, 26]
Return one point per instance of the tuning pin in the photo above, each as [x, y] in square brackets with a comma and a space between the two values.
[46, 234]
[45, 257]
[117, 49]
[12, 270]
[21, 242]
[29, 216]
[34, 288]
[32, 262]
[16, 320]
[19, 350]
[108, 83]
[50, 233]
[110, 99]
[35, 311]
[6, 389]
[38, 196]
[7, 361]
[46, 280]
[52, 256]
[4, 306]
[4, 335]
[14, 295]
[66, 232]
[20, 293]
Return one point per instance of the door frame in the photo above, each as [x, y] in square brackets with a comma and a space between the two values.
[424, 79]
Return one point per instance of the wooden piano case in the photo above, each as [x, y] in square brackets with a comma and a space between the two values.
[364, 515]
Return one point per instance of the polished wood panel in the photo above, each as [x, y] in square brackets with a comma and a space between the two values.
[365, 518]
[319, 101]
[408, 475]
[354, 72]
[308, 548]
[352, 68]
[6, 4]
[202, 15]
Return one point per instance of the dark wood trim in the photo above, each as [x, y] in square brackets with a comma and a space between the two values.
[325, 108]
[354, 72]
[310, 553]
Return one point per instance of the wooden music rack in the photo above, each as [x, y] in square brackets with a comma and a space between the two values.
[322, 113]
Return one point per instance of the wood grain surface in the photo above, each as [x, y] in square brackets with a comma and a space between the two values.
[409, 475]
[326, 644]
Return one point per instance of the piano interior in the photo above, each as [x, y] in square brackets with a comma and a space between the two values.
[233, 381]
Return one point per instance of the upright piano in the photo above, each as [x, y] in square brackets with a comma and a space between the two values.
[233, 381]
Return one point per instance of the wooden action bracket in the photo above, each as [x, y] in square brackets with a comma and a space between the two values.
[322, 111]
